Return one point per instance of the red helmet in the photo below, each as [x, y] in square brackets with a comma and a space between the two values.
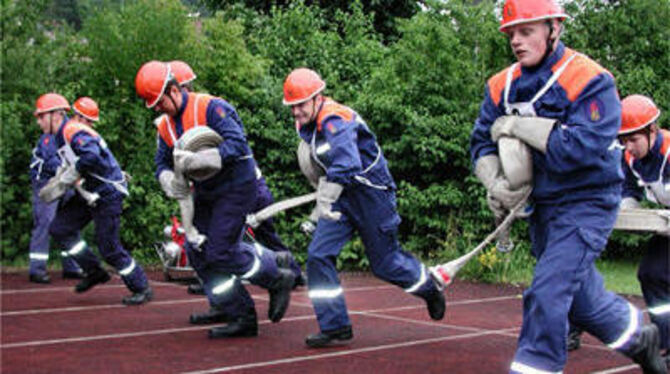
[637, 112]
[301, 85]
[523, 11]
[182, 72]
[151, 80]
[50, 102]
[87, 108]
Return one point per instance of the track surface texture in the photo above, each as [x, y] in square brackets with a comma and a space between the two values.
[50, 329]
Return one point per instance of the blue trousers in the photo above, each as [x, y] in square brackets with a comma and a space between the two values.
[566, 240]
[224, 259]
[74, 215]
[43, 214]
[372, 213]
[654, 276]
[265, 233]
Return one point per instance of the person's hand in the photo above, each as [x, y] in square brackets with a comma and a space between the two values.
[172, 186]
[326, 195]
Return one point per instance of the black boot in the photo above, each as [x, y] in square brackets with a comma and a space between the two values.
[40, 278]
[574, 339]
[245, 325]
[646, 351]
[436, 304]
[213, 315]
[139, 298]
[280, 295]
[97, 276]
[196, 289]
[326, 338]
[73, 274]
[284, 261]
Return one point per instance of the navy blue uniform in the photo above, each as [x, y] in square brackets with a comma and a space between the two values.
[348, 151]
[576, 191]
[650, 178]
[87, 150]
[43, 166]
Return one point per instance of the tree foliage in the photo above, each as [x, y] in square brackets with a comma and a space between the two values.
[418, 86]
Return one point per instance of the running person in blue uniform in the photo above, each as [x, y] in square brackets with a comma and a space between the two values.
[222, 201]
[566, 108]
[86, 156]
[356, 193]
[647, 169]
[43, 166]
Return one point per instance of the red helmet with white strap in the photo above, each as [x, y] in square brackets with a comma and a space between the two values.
[523, 11]
[637, 112]
[301, 85]
[87, 108]
[50, 102]
[151, 80]
[182, 72]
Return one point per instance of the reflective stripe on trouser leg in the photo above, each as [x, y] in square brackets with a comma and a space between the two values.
[660, 316]
[43, 215]
[227, 294]
[323, 283]
[82, 255]
[133, 276]
[263, 270]
[654, 276]
[566, 282]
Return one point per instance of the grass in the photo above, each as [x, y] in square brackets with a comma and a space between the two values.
[620, 276]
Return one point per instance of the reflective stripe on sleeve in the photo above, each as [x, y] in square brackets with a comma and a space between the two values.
[254, 269]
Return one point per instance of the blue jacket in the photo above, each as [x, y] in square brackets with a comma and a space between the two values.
[44, 161]
[346, 148]
[238, 165]
[648, 168]
[582, 161]
[95, 162]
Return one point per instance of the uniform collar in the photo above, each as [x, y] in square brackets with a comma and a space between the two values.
[62, 124]
[184, 102]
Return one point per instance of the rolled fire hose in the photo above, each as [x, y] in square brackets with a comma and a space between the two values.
[195, 139]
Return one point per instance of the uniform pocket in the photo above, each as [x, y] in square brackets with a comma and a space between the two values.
[596, 239]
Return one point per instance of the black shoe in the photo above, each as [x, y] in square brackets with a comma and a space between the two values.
[246, 325]
[436, 304]
[284, 261]
[40, 278]
[574, 339]
[139, 298]
[326, 338]
[646, 352]
[300, 281]
[280, 295]
[73, 275]
[97, 276]
[196, 289]
[213, 315]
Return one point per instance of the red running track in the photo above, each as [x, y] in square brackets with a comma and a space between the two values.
[50, 329]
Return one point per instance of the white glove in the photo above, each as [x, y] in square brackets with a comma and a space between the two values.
[509, 198]
[533, 131]
[69, 175]
[629, 203]
[172, 187]
[327, 193]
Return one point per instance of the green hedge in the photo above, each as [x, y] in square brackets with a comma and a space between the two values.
[419, 93]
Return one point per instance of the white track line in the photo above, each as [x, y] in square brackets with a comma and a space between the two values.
[369, 313]
[618, 369]
[344, 353]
